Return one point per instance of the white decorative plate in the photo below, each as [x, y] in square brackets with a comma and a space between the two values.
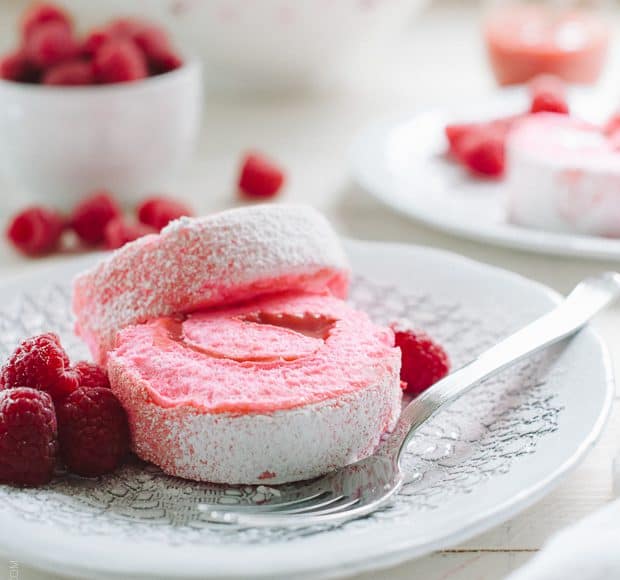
[491, 455]
[403, 164]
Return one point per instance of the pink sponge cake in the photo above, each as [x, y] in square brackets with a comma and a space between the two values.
[563, 176]
[273, 390]
[196, 263]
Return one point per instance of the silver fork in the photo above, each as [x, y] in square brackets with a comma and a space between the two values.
[362, 487]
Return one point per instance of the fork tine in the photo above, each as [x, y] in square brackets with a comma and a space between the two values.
[267, 507]
[313, 506]
[341, 506]
[336, 514]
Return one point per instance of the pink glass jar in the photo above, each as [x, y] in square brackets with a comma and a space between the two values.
[567, 39]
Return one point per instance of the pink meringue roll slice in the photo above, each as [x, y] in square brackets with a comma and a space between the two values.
[273, 390]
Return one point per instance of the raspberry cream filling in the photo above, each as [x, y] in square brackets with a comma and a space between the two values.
[283, 388]
[564, 176]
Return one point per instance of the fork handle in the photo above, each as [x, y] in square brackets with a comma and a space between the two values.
[588, 298]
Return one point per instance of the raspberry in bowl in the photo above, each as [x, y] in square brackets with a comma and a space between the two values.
[118, 107]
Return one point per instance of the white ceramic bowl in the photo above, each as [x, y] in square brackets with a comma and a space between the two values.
[59, 143]
[273, 44]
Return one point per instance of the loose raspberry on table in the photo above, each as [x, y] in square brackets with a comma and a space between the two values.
[424, 362]
[70, 73]
[260, 177]
[91, 216]
[118, 232]
[119, 61]
[35, 231]
[40, 363]
[159, 211]
[93, 431]
[16, 67]
[91, 375]
[42, 13]
[50, 44]
[28, 437]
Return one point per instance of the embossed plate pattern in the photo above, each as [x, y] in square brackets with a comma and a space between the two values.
[487, 457]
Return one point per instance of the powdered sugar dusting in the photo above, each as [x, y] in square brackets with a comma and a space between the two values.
[197, 262]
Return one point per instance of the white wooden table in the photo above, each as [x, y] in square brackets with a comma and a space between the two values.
[310, 135]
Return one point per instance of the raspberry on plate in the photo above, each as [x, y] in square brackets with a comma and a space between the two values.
[482, 152]
[548, 94]
[424, 362]
[91, 375]
[118, 232]
[71, 72]
[40, 363]
[91, 216]
[119, 61]
[43, 13]
[28, 437]
[93, 431]
[50, 44]
[35, 231]
[159, 211]
[260, 177]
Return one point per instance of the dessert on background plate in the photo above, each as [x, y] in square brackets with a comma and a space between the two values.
[561, 171]
[563, 175]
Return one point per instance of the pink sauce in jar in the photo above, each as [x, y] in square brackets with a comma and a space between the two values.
[526, 40]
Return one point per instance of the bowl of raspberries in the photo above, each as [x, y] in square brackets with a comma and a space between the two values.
[118, 106]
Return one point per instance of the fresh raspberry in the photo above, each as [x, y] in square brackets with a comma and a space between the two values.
[154, 43]
[424, 362]
[457, 134]
[50, 44]
[482, 152]
[35, 231]
[119, 61]
[260, 177]
[91, 216]
[16, 67]
[549, 103]
[126, 27]
[548, 94]
[40, 363]
[94, 40]
[93, 431]
[72, 72]
[39, 14]
[91, 375]
[158, 212]
[28, 437]
[118, 232]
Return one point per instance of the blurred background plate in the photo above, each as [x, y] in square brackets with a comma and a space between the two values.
[402, 163]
